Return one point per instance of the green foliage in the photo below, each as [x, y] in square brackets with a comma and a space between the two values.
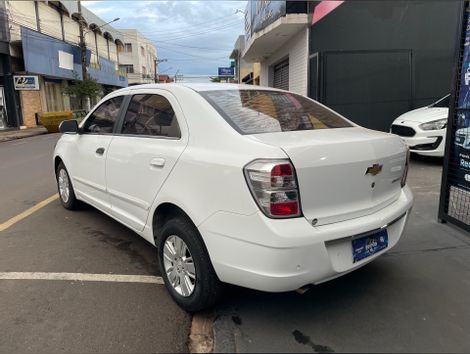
[89, 87]
[215, 79]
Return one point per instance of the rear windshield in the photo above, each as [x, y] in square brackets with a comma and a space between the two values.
[263, 111]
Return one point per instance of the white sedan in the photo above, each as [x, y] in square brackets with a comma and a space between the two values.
[246, 185]
[424, 129]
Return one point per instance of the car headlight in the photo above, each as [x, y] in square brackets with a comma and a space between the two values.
[434, 125]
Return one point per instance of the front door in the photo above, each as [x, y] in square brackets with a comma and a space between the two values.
[142, 155]
[89, 155]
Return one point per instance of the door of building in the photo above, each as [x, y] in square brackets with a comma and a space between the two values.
[54, 96]
[281, 75]
[3, 109]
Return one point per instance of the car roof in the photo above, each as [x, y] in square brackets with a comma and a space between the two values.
[198, 87]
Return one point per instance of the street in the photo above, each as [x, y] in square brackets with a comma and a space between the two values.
[414, 299]
[75, 316]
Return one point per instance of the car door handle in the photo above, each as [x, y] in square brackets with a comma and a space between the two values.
[157, 162]
[100, 151]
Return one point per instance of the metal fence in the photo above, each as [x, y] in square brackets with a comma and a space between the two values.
[455, 188]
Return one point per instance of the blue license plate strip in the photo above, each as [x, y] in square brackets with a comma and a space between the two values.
[368, 245]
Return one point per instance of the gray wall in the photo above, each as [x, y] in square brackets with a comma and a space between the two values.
[379, 59]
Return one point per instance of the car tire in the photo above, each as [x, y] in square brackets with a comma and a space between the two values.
[65, 188]
[207, 287]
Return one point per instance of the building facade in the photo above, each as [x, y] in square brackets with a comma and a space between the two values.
[245, 72]
[138, 58]
[276, 37]
[374, 60]
[45, 56]
[369, 60]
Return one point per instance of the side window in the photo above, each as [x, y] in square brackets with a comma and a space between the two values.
[151, 115]
[103, 118]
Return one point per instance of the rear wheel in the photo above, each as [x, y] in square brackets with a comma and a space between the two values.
[66, 192]
[186, 267]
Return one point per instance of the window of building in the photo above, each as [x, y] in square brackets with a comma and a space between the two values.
[128, 68]
[128, 47]
[144, 70]
[102, 120]
[142, 51]
[151, 115]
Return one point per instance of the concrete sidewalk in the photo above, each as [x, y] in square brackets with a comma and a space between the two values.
[7, 135]
[413, 299]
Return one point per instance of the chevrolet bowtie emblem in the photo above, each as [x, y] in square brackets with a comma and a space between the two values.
[374, 170]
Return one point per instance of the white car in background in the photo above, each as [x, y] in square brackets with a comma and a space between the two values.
[247, 185]
[424, 129]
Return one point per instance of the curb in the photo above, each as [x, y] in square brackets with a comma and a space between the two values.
[11, 137]
[201, 337]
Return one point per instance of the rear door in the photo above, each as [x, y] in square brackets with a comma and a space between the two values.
[150, 139]
[88, 154]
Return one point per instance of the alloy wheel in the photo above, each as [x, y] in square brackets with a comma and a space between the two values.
[64, 185]
[179, 266]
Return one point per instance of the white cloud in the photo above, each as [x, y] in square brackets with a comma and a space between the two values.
[195, 36]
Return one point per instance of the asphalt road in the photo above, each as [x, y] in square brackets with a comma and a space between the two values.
[74, 316]
[413, 299]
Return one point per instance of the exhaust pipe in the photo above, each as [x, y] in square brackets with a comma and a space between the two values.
[303, 289]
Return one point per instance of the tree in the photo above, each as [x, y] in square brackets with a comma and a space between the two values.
[215, 79]
[86, 88]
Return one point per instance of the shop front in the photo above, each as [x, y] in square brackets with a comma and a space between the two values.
[375, 60]
[276, 35]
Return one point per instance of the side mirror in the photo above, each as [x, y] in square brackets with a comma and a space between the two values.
[69, 127]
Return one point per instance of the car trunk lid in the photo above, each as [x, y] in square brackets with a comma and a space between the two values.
[342, 173]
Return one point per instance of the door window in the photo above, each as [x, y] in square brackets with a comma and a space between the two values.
[103, 118]
[151, 115]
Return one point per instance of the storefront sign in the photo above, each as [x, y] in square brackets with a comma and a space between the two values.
[226, 72]
[461, 148]
[26, 82]
[260, 14]
[455, 193]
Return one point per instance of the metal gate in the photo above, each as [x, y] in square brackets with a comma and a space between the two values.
[454, 204]
[281, 75]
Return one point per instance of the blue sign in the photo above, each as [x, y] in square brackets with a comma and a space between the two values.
[41, 55]
[227, 72]
[464, 92]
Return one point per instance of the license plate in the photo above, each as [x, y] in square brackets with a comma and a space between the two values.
[366, 246]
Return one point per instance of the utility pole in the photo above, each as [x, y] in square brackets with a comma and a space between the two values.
[82, 40]
[156, 62]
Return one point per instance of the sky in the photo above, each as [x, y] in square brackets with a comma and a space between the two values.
[196, 37]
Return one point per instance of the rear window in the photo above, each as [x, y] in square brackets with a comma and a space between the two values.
[258, 111]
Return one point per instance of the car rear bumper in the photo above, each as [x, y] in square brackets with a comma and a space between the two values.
[283, 255]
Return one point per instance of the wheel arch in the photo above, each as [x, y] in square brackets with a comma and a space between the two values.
[164, 212]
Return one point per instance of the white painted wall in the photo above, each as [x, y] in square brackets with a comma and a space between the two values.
[21, 13]
[296, 49]
[49, 20]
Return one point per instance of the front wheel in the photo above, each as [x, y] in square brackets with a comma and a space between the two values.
[66, 192]
[186, 267]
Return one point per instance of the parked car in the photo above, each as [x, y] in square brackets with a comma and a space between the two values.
[424, 129]
[247, 185]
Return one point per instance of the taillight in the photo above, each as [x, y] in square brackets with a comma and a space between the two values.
[405, 171]
[273, 185]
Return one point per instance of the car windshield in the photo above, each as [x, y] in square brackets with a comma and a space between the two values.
[264, 111]
[442, 103]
